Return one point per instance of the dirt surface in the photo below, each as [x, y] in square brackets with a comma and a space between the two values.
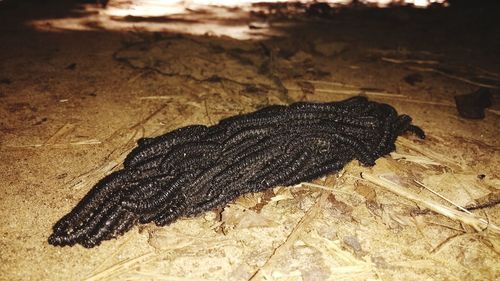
[73, 102]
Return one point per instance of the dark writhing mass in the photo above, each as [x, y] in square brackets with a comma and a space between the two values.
[197, 168]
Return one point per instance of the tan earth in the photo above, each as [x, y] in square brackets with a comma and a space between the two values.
[76, 92]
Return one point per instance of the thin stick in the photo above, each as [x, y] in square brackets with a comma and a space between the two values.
[156, 98]
[84, 142]
[477, 223]
[450, 163]
[442, 197]
[309, 216]
[118, 267]
[415, 159]
[409, 61]
[497, 112]
[329, 83]
[466, 80]
[354, 92]
[323, 187]
[382, 95]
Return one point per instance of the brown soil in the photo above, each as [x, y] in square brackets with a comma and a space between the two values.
[73, 102]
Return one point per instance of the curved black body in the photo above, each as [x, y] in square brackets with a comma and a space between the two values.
[197, 168]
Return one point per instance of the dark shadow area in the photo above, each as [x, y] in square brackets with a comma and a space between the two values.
[25, 10]
[465, 33]
[464, 23]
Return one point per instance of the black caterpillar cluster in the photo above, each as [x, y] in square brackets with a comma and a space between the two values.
[198, 168]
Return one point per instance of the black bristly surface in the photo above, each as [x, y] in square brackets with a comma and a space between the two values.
[198, 168]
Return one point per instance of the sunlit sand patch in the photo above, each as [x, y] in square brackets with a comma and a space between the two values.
[215, 17]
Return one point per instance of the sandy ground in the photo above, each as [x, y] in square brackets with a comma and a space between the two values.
[73, 102]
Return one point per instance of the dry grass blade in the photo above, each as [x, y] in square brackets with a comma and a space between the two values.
[415, 159]
[109, 258]
[434, 70]
[397, 61]
[331, 189]
[329, 83]
[442, 197]
[123, 266]
[354, 92]
[61, 133]
[348, 266]
[57, 145]
[438, 157]
[292, 237]
[86, 142]
[349, 90]
[93, 175]
[466, 80]
[470, 219]
[156, 98]
[496, 112]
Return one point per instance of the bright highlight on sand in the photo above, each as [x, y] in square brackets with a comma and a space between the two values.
[196, 17]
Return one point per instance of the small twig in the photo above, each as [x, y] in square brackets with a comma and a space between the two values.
[415, 159]
[57, 145]
[294, 234]
[466, 80]
[397, 61]
[442, 197]
[354, 92]
[477, 223]
[103, 264]
[489, 73]
[118, 267]
[331, 189]
[448, 162]
[62, 132]
[497, 112]
[448, 227]
[156, 98]
[485, 205]
[330, 83]
[445, 241]
[382, 95]
[207, 113]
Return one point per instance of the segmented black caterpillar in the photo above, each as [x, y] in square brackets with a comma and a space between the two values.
[197, 168]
